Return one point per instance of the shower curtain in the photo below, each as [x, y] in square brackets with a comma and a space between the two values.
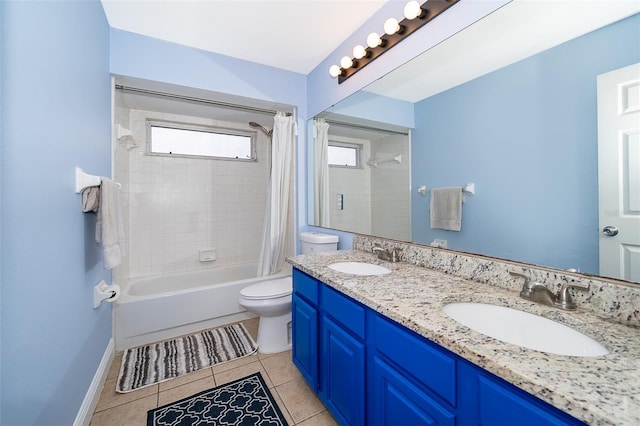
[321, 172]
[275, 220]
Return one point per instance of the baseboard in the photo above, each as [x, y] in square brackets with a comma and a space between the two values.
[83, 418]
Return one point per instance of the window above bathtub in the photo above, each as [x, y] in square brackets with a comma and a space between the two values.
[186, 140]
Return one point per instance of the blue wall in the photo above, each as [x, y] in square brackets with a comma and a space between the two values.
[56, 114]
[527, 136]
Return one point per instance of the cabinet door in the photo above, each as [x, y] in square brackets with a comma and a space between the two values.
[305, 339]
[395, 400]
[489, 400]
[342, 386]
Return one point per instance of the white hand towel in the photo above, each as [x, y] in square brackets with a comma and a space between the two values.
[446, 208]
[109, 226]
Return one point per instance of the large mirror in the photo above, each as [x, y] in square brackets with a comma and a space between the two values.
[508, 104]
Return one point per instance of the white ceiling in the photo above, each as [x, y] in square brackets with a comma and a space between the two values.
[294, 35]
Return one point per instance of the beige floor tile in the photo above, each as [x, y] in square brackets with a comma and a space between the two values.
[280, 368]
[242, 371]
[115, 366]
[109, 398]
[181, 380]
[130, 414]
[282, 407]
[234, 363]
[183, 391]
[323, 419]
[299, 399]
[265, 356]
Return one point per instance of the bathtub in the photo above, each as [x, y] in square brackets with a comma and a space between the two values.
[161, 307]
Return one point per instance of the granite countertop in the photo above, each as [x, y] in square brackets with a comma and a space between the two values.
[597, 390]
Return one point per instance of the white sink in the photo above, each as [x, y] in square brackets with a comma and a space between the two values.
[359, 268]
[524, 329]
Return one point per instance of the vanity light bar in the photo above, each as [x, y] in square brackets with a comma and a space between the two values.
[429, 11]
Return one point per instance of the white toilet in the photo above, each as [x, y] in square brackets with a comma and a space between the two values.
[272, 299]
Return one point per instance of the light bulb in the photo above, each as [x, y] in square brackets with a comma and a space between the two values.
[374, 40]
[412, 10]
[359, 52]
[334, 71]
[346, 62]
[391, 26]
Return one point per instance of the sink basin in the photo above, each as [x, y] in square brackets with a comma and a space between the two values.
[359, 268]
[524, 329]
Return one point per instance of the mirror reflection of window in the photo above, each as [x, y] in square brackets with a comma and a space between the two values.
[345, 155]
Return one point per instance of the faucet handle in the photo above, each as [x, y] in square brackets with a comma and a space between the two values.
[395, 254]
[527, 287]
[517, 274]
[563, 297]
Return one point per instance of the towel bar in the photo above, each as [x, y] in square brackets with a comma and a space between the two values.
[469, 188]
[85, 180]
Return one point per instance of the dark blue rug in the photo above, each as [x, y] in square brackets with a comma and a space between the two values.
[245, 401]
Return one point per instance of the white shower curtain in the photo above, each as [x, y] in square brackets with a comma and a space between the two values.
[321, 172]
[275, 219]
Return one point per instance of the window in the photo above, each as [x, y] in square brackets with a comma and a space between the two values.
[176, 139]
[345, 155]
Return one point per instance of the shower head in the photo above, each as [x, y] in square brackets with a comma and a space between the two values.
[260, 127]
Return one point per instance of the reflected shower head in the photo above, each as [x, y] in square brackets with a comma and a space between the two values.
[258, 126]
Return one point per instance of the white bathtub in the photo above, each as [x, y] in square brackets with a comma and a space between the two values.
[162, 307]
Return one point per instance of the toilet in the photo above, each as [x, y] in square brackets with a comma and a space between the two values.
[271, 299]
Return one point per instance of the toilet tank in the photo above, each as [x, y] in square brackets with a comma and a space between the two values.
[317, 242]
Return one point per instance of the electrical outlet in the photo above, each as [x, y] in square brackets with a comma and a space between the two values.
[439, 243]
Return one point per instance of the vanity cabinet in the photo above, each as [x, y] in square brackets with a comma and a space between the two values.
[304, 327]
[328, 346]
[412, 381]
[370, 370]
[342, 356]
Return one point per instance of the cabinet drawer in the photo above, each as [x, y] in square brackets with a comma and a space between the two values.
[429, 365]
[344, 310]
[305, 286]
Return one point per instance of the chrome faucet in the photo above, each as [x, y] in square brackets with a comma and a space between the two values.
[539, 293]
[392, 255]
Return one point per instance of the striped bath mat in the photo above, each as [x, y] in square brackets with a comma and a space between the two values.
[158, 362]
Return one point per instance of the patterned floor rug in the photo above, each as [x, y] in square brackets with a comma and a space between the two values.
[245, 401]
[158, 362]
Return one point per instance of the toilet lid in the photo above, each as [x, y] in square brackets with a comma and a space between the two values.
[268, 289]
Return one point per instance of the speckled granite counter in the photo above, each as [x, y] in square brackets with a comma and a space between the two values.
[597, 390]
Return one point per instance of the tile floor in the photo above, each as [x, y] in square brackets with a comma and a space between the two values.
[296, 400]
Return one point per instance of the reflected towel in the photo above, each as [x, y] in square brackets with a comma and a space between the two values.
[109, 226]
[446, 208]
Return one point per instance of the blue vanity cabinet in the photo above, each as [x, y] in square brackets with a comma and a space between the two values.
[305, 327]
[370, 370]
[411, 381]
[486, 399]
[342, 360]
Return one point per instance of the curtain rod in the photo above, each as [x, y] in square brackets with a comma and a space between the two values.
[363, 127]
[197, 100]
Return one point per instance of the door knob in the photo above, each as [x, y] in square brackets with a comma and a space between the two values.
[610, 231]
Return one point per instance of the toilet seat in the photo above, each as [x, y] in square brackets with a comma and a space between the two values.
[268, 289]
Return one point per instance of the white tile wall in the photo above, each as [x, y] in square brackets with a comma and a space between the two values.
[178, 206]
[391, 199]
[355, 185]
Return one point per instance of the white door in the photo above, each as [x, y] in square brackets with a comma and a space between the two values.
[619, 172]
